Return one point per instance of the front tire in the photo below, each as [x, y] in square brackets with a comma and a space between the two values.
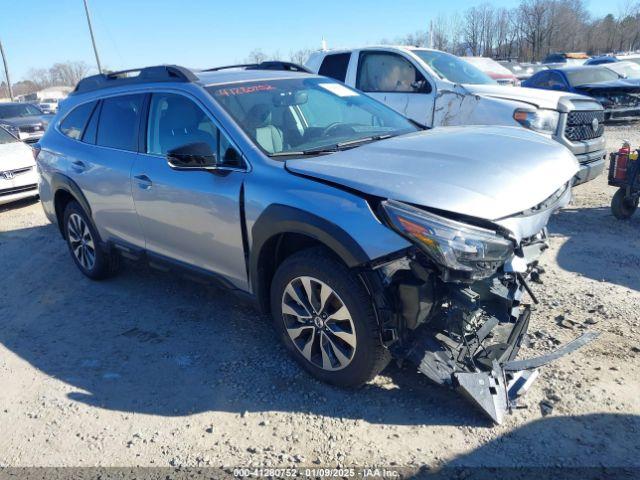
[622, 207]
[84, 244]
[325, 318]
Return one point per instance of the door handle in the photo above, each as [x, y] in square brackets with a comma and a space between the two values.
[144, 182]
[79, 166]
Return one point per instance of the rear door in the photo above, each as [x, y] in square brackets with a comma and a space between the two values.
[100, 158]
[394, 80]
[190, 216]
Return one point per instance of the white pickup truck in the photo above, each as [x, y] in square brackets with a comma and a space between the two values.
[435, 88]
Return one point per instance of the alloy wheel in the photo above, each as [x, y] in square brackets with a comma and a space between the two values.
[318, 323]
[81, 241]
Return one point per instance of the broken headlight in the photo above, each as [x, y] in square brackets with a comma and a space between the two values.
[475, 251]
[543, 121]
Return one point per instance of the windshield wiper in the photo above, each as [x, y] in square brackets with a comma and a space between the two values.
[360, 141]
[336, 147]
[301, 153]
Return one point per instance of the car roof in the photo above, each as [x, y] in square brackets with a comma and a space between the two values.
[577, 68]
[239, 74]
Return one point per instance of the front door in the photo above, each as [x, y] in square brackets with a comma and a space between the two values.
[191, 216]
[392, 79]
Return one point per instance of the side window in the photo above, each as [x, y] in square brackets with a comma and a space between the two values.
[175, 121]
[387, 72]
[556, 81]
[91, 131]
[335, 66]
[227, 154]
[541, 80]
[73, 124]
[118, 125]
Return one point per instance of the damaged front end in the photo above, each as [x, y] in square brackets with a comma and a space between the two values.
[460, 315]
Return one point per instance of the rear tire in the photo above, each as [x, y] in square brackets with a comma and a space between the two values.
[622, 207]
[85, 246]
[325, 318]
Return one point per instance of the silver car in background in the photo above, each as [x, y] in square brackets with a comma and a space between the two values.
[364, 236]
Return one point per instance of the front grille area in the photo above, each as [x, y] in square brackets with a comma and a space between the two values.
[24, 188]
[580, 125]
[31, 128]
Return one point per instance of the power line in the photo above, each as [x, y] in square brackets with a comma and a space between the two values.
[6, 71]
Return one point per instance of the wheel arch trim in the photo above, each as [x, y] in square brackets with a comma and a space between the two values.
[61, 182]
[278, 219]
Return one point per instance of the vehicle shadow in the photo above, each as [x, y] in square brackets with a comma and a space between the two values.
[594, 446]
[155, 343]
[19, 204]
[598, 245]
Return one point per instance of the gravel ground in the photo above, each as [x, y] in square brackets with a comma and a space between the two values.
[151, 370]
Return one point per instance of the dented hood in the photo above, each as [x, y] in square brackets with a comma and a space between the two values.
[533, 96]
[609, 88]
[485, 172]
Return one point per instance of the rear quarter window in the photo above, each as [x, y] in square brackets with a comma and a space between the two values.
[335, 66]
[74, 123]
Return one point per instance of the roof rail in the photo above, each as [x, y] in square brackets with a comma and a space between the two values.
[266, 65]
[159, 73]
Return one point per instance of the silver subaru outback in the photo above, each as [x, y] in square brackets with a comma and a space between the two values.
[364, 236]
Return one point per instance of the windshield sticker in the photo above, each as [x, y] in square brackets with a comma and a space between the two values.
[225, 92]
[339, 90]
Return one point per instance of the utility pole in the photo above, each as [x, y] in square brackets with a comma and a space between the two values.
[6, 71]
[93, 40]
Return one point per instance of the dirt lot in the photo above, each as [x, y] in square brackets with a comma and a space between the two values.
[148, 369]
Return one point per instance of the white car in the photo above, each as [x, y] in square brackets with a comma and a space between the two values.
[496, 71]
[49, 105]
[18, 178]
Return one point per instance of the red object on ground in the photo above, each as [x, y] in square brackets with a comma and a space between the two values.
[620, 173]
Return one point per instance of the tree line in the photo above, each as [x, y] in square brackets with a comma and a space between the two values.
[59, 74]
[531, 31]
[528, 32]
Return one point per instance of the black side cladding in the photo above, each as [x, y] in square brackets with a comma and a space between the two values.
[280, 219]
[60, 182]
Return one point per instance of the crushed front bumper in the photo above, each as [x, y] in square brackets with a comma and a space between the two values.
[497, 391]
[481, 363]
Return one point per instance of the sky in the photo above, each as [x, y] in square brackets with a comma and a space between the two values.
[201, 33]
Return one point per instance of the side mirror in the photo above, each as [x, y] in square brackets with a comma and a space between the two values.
[192, 156]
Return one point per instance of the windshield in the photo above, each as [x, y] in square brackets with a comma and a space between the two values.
[454, 69]
[635, 60]
[18, 110]
[590, 75]
[6, 137]
[626, 69]
[488, 65]
[289, 116]
[575, 62]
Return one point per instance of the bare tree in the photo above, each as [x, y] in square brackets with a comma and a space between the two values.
[60, 74]
[257, 56]
[39, 77]
[68, 73]
[300, 56]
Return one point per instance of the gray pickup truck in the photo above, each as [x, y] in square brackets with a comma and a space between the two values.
[435, 88]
